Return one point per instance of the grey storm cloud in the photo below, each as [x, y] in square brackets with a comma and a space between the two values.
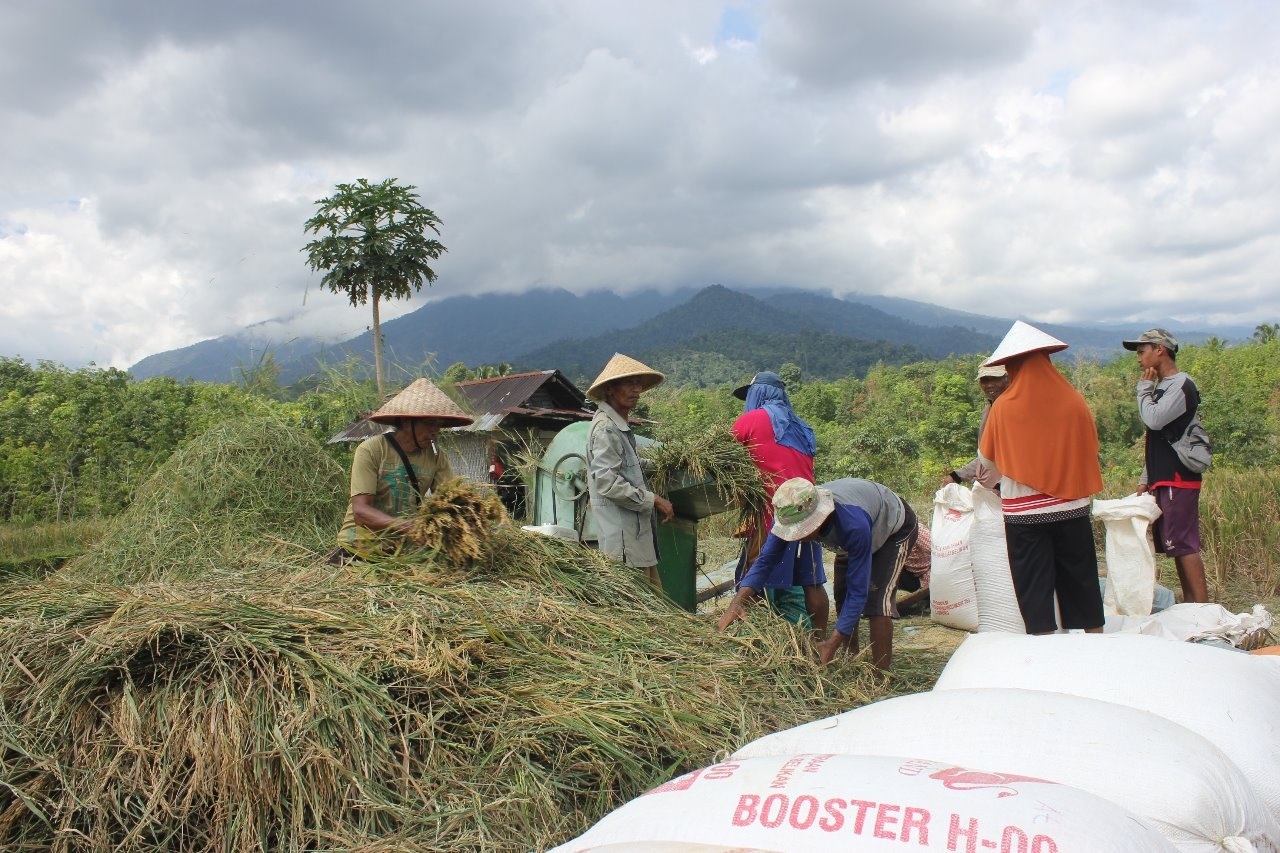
[1058, 161]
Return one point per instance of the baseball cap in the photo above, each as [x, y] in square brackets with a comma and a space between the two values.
[1163, 337]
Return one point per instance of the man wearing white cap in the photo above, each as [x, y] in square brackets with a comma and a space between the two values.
[391, 472]
[1042, 438]
[622, 506]
[866, 520]
[993, 379]
[1167, 402]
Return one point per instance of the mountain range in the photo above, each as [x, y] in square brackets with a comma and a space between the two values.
[711, 335]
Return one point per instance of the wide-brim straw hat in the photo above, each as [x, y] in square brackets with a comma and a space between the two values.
[1021, 339]
[624, 367]
[422, 399]
[799, 508]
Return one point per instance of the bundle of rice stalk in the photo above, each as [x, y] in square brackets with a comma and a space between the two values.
[506, 707]
[220, 502]
[712, 454]
[454, 521]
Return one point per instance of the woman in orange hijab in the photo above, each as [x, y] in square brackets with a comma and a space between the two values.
[1041, 436]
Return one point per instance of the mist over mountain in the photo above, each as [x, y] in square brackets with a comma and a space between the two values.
[710, 334]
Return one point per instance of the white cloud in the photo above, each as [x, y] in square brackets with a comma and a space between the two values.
[1055, 160]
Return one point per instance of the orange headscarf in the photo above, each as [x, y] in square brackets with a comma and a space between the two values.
[1041, 433]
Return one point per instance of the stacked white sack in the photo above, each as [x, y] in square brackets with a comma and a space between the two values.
[866, 803]
[1229, 698]
[953, 598]
[1169, 776]
[997, 602]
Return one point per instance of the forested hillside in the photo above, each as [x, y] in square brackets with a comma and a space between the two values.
[79, 443]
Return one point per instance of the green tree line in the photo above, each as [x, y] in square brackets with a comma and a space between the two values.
[79, 443]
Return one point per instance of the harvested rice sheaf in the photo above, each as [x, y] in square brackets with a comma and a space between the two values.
[455, 519]
[505, 703]
[714, 454]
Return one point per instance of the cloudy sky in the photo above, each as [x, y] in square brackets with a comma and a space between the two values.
[1049, 159]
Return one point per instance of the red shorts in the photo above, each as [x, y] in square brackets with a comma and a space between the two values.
[1177, 530]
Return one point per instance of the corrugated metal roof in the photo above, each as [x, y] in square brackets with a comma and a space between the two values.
[541, 393]
[359, 429]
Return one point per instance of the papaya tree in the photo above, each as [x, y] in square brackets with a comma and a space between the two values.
[373, 244]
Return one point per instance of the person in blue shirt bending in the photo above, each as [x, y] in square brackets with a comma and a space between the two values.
[866, 520]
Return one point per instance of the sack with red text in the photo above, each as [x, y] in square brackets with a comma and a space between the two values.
[818, 802]
[1169, 776]
[953, 599]
[1230, 699]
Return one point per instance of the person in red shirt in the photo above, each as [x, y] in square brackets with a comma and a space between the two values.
[783, 446]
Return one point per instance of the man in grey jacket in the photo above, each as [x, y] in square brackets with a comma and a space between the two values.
[622, 506]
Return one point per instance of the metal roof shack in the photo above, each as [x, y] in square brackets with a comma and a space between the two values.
[539, 400]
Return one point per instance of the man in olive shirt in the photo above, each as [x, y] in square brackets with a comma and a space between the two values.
[391, 472]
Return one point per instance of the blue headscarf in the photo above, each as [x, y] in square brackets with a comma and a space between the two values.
[789, 429]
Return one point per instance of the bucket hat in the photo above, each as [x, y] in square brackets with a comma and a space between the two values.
[764, 377]
[992, 371]
[422, 399]
[622, 367]
[799, 508]
[1163, 337]
[1023, 338]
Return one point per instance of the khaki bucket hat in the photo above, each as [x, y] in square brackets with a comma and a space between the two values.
[422, 399]
[622, 367]
[799, 508]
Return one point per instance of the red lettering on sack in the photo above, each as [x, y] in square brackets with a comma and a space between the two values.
[775, 818]
[886, 816]
[918, 819]
[721, 771]
[748, 807]
[915, 766]
[1043, 844]
[1013, 840]
[969, 833]
[834, 820]
[808, 805]
[861, 817]
[684, 783]
[816, 762]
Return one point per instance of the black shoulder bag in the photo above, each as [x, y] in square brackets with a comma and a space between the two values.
[408, 469]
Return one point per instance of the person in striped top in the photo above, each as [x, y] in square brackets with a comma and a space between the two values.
[1041, 437]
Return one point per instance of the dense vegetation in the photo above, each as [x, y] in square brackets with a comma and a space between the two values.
[76, 444]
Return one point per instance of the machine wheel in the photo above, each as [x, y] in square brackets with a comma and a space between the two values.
[569, 477]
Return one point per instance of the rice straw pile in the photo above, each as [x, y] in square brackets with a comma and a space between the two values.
[504, 704]
[712, 454]
[222, 501]
[454, 521]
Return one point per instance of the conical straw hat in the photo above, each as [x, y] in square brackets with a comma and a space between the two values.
[422, 399]
[620, 367]
[1021, 339]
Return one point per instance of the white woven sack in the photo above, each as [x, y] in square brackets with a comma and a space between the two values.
[1197, 621]
[1130, 554]
[1230, 698]
[997, 602]
[1167, 775]
[953, 598]
[865, 803]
